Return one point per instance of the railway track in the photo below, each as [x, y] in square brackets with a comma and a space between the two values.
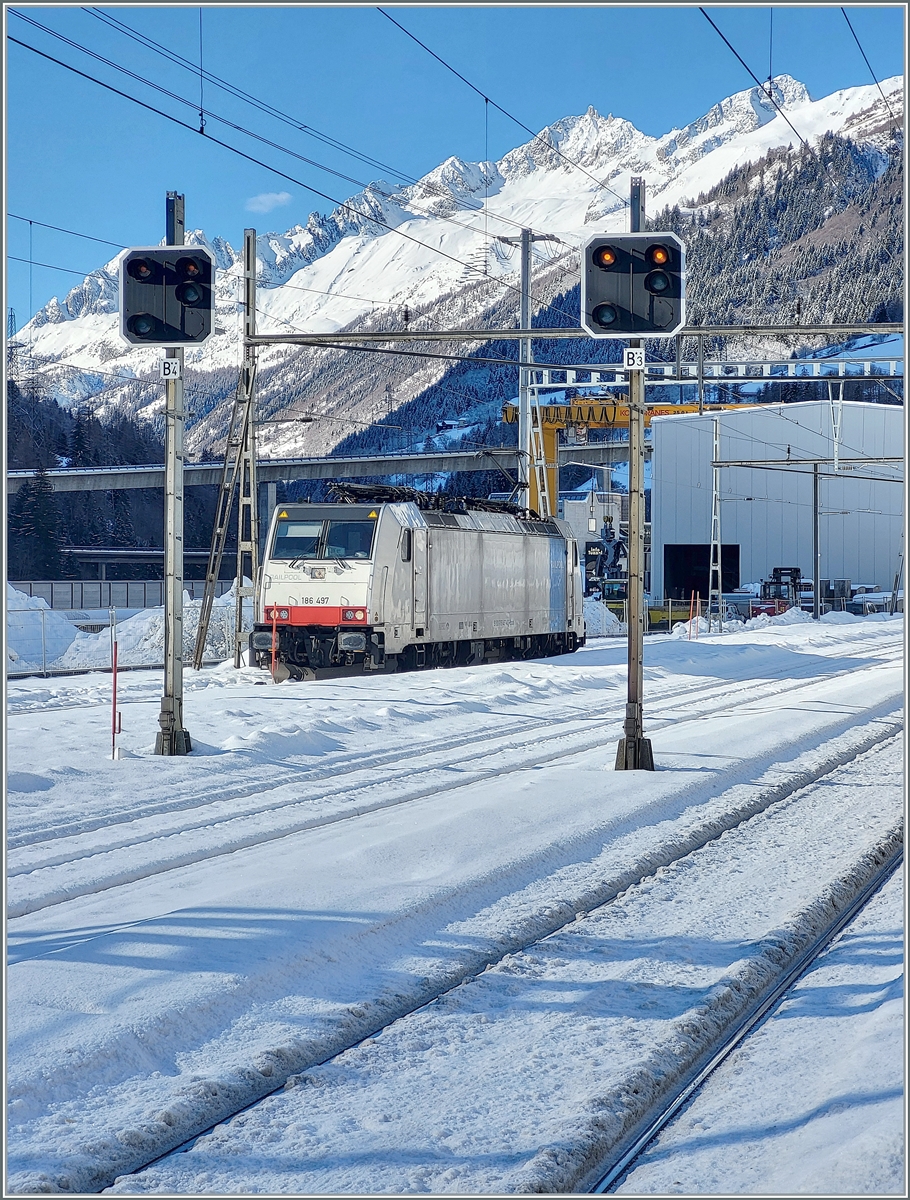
[26, 704]
[287, 806]
[479, 873]
[660, 712]
[624, 1159]
[786, 954]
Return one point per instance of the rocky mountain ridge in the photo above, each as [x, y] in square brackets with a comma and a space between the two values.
[352, 268]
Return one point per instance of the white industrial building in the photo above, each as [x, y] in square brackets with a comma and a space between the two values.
[768, 511]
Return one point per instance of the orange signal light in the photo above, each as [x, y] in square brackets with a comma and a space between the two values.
[605, 256]
[659, 255]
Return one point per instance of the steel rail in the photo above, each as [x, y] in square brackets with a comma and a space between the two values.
[711, 698]
[186, 1143]
[748, 1022]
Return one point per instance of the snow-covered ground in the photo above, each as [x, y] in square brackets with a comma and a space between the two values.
[813, 1102]
[187, 935]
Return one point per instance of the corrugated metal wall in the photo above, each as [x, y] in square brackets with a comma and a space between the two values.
[769, 513]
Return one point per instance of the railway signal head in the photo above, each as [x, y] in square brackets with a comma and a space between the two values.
[633, 285]
[166, 295]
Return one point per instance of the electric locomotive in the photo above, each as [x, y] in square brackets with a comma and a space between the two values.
[389, 579]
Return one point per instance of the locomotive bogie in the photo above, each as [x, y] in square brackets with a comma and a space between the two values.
[351, 588]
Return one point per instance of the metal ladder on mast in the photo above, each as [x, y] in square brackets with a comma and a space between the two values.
[239, 469]
[231, 471]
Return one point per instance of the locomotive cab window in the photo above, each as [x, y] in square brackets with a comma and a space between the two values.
[349, 539]
[405, 545]
[297, 539]
[323, 539]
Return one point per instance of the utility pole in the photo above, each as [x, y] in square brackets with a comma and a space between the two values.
[701, 374]
[895, 587]
[247, 499]
[172, 738]
[634, 750]
[524, 392]
[816, 549]
[525, 418]
[239, 469]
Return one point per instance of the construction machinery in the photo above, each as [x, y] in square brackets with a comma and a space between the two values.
[576, 418]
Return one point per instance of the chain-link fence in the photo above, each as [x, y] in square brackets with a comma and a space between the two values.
[42, 642]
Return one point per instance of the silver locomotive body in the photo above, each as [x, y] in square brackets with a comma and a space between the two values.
[357, 587]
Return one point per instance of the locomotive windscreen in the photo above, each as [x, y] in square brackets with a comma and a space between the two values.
[297, 539]
[323, 539]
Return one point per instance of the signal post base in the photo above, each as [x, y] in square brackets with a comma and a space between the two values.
[634, 754]
[173, 742]
[172, 739]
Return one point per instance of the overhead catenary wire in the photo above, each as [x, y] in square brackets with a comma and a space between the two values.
[265, 166]
[311, 341]
[537, 137]
[103, 271]
[201, 79]
[268, 142]
[753, 438]
[527, 129]
[51, 267]
[182, 100]
[59, 229]
[770, 47]
[754, 76]
[869, 65]
[440, 188]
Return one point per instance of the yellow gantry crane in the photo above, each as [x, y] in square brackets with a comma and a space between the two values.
[548, 419]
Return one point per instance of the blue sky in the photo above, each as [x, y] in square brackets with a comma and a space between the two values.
[90, 161]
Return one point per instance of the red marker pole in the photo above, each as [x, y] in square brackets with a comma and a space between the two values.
[115, 724]
[274, 641]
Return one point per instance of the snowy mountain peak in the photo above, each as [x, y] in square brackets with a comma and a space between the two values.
[452, 185]
[739, 114]
[348, 265]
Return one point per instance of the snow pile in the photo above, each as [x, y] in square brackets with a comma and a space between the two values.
[33, 639]
[140, 638]
[793, 616]
[695, 627]
[600, 621]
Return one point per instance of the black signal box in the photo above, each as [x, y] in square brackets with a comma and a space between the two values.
[633, 285]
[167, 296]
